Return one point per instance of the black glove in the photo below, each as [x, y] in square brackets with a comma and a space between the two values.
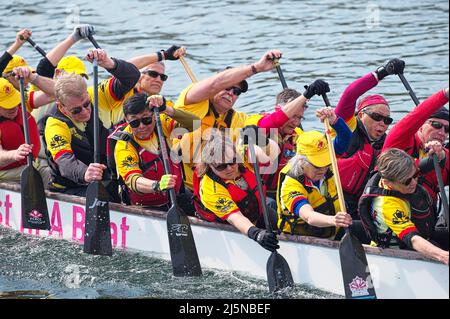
[257, 133]
[266, 239]
[168, 54]
[394, 66]
[318, 87]
[162, 108]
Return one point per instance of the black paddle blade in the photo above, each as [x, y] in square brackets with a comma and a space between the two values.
[97, 232]
[34, 203]
[278, 273]
[182, 245]
[355, 269]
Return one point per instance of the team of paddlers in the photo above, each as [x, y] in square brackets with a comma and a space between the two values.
[389, 179]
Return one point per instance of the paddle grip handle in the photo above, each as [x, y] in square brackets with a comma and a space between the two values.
[96, 116]
[25, 119]
[34, 45]
[91, 38]
[251, 146]
[162, 143]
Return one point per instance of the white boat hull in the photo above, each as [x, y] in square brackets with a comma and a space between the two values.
[315, 262]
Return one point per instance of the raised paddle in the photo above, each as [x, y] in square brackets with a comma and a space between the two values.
[91, 38]
[437, 167]
[278, 272]
[34, 45]
[34, 202]
[188, 69]
[183, 251]
[97, 232]
[355, 269]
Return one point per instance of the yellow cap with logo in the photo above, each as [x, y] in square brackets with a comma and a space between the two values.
[72, 64]
[9, 96]
[314, 146]
[16, 61]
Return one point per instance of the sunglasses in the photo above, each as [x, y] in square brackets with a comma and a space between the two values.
[155, 74]
[438, 125]
[137, 122]
[317, 167]
[222, 167]
[409, 180]
[378, 117]
[236, 91]
[77, 110]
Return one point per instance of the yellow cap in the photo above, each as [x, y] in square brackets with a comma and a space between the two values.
[314, 146]
[9, 96]
[16, 61]
[72, 64]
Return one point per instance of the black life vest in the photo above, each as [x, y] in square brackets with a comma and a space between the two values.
[82, 145]
[422, 213]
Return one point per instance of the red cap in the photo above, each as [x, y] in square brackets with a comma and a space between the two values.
[371, 100]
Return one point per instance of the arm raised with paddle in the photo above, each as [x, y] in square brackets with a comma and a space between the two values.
[353, 257]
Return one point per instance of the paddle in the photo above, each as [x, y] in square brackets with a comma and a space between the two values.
[91, 38]
[34, 202]
[183, 251]
[278, 272]
[188, 69]
[97, 232]
[280, 73]
[355, 269]
[34, 45]
[437, 167]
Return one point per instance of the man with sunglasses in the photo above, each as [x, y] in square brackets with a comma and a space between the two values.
[395, 209]
[422, 133]
[369, 125]
[68, 129]
[212, 100]
[136, 156]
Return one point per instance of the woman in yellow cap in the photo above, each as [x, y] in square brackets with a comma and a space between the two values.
[306, 194]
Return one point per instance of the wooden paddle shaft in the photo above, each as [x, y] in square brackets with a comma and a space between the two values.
[333, 159]
[96, 117]
[165, 156]
[188, 69]
[26, 130]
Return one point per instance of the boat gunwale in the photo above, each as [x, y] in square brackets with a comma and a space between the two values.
[154, 212]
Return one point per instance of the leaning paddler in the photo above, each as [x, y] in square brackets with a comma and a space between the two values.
[289, 110]
[425, 125]
[137, 154]
[225, 188]
[307, 197]
[212, 100]
[68, 129]
[369, 120]
[395, 208]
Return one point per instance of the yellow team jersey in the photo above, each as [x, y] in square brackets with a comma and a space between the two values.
[392, 213]
[190, 143]
[58, 136]
[290, 191]
[110, 108]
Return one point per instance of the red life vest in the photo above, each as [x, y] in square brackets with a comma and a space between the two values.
[12, 137]
[354, 171]
[151, 166]
[248, 201]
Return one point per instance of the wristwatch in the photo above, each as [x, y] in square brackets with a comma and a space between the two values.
[155, 187]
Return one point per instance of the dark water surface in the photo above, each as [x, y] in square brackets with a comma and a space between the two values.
[338, 41]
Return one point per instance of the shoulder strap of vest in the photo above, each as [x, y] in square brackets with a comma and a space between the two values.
[228, 117]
